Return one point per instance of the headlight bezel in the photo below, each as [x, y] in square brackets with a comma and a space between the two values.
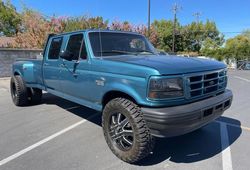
[166, 78]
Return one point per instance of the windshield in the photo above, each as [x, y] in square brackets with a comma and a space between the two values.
[110, 44]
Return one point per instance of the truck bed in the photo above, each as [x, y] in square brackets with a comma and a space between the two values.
[31, 69]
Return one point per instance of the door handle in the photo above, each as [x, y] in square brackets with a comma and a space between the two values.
[46, 64]
[72, 72]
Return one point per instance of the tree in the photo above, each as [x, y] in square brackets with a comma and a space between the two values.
[238, 47]
[83, 22]
[122, 26]
[9, 19]
[246, 33]
[189, 38]
[141, 29]
[199, 36]
[212, 35]
[193, 36]
[35, 29]
[32, 29]
[164, 29]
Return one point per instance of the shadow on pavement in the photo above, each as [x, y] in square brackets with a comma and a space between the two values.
[196, 146]
[80, 111]
[193, 147]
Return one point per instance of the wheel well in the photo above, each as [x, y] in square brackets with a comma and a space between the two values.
[16, 73]
[115, 94]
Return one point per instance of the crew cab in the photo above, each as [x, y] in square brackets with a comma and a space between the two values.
[140, 93]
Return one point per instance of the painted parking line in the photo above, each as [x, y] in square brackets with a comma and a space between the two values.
[233, 125]
[241, 78]
[226, 151]
[22, 152]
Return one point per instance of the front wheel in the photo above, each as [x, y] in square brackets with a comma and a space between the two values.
[125, 130]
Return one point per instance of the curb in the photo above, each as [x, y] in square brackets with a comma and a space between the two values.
[5, 78]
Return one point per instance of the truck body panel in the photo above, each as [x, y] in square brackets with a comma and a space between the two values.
[89, 79]
[171, 65]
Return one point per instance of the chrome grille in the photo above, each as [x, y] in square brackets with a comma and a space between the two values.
[206, 83]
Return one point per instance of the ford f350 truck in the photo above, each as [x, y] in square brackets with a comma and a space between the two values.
[140, 93]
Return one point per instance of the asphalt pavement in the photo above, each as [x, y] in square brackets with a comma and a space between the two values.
[61, 135]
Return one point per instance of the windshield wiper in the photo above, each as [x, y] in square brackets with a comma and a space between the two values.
[126, 52]
[147, 51]
[116, 51]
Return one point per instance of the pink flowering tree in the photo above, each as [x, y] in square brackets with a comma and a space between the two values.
[142, 29]
[35, 29]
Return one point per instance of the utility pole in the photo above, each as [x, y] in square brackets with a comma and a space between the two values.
[197, 16]
[175, 9]
[149, 10]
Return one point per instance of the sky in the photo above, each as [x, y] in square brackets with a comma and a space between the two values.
[231, 16]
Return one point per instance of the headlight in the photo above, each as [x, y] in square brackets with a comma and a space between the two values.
[162, 88]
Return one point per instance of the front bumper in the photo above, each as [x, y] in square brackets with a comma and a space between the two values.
[178, 120]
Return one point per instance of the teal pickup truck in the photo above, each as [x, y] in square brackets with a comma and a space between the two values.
[140, 93]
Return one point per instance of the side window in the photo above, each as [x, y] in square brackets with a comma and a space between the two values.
[55, 48]
[76, 46]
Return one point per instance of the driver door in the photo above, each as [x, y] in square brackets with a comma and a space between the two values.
[74, 74]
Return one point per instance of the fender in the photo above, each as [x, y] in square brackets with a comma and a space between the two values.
[124, 88]
[25, 70]
[28, 72]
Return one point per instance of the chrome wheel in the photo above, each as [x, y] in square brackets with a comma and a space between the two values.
[121, 131]
[125, 130]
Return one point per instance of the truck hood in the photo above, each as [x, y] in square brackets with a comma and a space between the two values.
[170, 64]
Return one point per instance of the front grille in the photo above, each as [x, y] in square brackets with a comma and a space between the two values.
[206, 83]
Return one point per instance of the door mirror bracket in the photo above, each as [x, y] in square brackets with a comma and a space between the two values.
[67, 55]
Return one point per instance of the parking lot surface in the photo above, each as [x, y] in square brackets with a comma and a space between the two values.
[58, 134]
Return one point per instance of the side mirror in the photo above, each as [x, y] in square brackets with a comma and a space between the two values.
[67, 55]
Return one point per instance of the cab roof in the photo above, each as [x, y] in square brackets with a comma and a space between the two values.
[95, 30]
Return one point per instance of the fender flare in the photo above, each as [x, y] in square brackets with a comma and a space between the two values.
[124, 89]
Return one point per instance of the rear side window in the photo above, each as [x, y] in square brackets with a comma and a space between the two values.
[55, 48]
[76, 46]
